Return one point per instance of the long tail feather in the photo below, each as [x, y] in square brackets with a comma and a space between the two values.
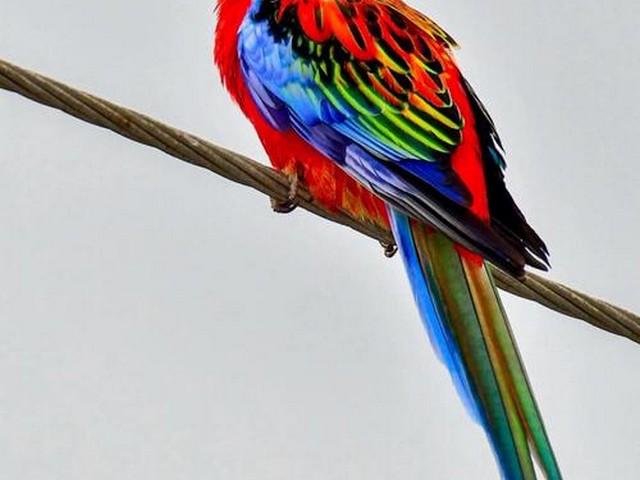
[467, 325]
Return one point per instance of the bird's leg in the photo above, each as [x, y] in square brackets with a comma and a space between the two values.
[291, 202]
[390, 249]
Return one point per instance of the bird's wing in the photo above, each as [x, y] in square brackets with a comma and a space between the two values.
[368, 84]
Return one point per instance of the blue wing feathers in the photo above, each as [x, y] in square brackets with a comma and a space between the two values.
[286, 91]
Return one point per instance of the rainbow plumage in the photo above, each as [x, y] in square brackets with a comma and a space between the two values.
[362, 99]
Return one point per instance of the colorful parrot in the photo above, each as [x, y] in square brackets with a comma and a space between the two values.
[362, 101]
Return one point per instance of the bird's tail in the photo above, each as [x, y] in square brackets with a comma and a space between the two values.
[467, 326]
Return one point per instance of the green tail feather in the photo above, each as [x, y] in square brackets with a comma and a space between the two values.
[463, 291]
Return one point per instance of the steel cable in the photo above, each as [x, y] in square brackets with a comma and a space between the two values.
[241, 169]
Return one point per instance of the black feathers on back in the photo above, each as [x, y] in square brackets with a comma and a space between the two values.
[506, 217]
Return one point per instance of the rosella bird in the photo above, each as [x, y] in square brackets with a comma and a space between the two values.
[363, 102]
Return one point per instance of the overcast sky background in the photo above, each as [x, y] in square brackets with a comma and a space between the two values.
[159, 322]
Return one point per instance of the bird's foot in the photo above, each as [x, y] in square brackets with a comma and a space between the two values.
[390, 249]
[291, 202]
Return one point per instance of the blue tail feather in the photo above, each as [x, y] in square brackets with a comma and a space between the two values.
[440, 336]
[463, 316]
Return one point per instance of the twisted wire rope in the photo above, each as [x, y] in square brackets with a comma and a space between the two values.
[243, 170]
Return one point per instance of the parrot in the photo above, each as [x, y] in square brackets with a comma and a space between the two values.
[363, 103]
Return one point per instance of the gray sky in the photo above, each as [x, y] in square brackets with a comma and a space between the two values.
[159, 322]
